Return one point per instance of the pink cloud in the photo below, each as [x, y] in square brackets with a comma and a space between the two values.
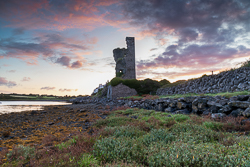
[52, 47]
[4, 82]
[76, 64]
[26, 79]
[48, 88]
[55, 14]
[67, 90]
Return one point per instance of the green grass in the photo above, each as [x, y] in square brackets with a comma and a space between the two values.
[226, 94]
[152, 139]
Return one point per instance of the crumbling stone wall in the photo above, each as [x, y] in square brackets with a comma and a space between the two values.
[125, 60]
[227, 81]
[119, 56]
[120, 91]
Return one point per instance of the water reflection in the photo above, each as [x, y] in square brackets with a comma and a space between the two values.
[18, 106]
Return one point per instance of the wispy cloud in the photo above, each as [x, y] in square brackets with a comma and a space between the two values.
[48, 88]
[26, 79]
[5, 82]
[50, 47]
[67, 90]
[11, 71]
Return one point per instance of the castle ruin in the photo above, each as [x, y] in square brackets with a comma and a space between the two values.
[125, 60]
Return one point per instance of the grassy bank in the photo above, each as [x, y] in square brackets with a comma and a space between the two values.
[137, 137]
[226, 94]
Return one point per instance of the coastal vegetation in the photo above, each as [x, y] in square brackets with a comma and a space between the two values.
[138, 137]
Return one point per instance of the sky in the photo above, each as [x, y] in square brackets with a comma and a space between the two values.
[65, 47]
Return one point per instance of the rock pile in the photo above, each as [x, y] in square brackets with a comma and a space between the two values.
[217, 106]
[228, 81]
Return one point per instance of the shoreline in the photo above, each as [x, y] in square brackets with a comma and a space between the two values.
[60, 121]
[31, 100]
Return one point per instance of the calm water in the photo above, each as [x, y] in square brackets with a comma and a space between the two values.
[18, 106]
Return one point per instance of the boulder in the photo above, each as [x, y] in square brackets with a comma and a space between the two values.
[195, 109]
[237, 112]
[181, 105]
[185, 111]
[239, 104]
[169, 109]
[218, 115]
[246, 113]
[225, 109]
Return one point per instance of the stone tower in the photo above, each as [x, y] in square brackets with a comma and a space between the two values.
[125, 60]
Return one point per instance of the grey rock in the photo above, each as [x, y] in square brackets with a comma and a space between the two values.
[181, 105]
[246, 113]
[240, 104]
[169, 109]
[225, 109]
[201, 105]
[195, 109]
[241, 85]
[223, 102]
[195, 102]
[218, 115]
[237, 112]
[182, 99]
[213, 109]
[185, 111]
[206, 112]
[160, 107]
[213, 103]
[242, 97]
[173, 104]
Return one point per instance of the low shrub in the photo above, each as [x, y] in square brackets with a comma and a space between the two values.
[119, 149]
[157, 135]
[116, 81]
[180, 117]
[21, 152]
[113, 121]
[126, 131]
[194, 133]
[146, 86]
[87, 160]
[213, 125]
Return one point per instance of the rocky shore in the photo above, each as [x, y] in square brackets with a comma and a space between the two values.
[62, 122]
[30, 127]
[216, 106]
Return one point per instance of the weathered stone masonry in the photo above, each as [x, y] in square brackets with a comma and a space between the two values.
[125, 68]
[125, 60]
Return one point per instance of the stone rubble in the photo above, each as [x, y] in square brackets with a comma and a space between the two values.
[217, 106]
[227, 81]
